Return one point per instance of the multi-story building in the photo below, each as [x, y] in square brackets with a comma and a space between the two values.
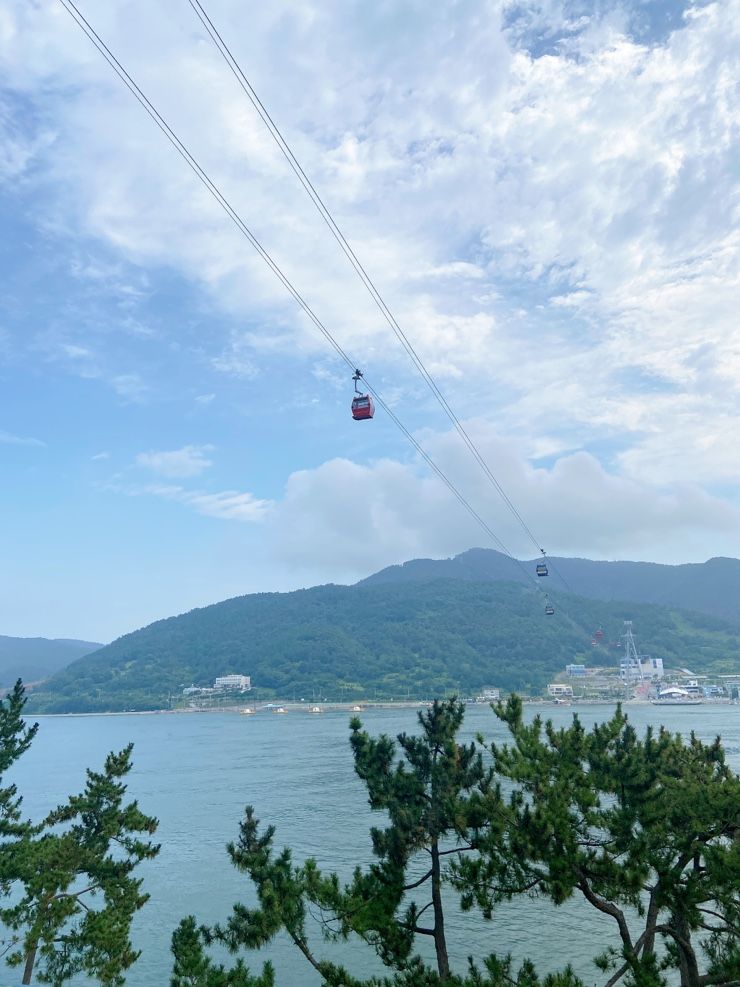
[489, 696]
[241, 682]
[558, 689]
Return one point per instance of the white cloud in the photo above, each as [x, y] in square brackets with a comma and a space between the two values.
[226, 505]
[77, 359]
[234, 362]
[8, 438]
[75, 352]
[558, 235]
[126, 285]
[131, 387]
[230, 505]
[356, 519]
[177, 463]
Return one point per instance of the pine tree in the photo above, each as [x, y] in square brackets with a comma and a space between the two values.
[71, 875]
[438, 797]
[193, 968]
[439, 800]
[637, 827]
[15, 739]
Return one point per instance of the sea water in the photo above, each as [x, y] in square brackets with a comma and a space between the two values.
[196, 773]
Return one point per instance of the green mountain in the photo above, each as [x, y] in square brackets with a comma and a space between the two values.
[384, 639]
[711, 587]
[35, 658]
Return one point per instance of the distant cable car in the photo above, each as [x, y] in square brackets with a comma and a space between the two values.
[549, 608]
[362, 404]
[541, 567]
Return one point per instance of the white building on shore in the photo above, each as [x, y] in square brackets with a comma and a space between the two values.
[559, 690]
[243, 683]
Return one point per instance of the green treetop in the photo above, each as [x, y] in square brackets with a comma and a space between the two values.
[70, 878]
[440, 803]
[645, 830]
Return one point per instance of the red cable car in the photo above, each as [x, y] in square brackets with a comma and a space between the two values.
[362, 407]
[362, 404]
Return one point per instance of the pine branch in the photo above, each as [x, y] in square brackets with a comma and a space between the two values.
[417, 884]
[608, 908]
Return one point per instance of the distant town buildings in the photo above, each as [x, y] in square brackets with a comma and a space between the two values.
[641, 676]
[644, 678]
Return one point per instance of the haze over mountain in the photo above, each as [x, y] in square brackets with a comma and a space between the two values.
[35, 658]
[404, 632]
[711, 587]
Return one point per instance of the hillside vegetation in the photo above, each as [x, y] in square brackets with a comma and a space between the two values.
[384, 640]
[35, 658]
[711, 587]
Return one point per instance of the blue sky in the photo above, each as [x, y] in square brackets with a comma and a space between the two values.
[547, 196]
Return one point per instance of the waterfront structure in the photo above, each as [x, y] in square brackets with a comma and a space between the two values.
[559, 690]
[635, 667]
[674, 695]
[489, 696]
[243, 683]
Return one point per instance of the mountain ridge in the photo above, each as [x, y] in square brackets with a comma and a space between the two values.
[36, 658]
[711, 587]
[389, 640]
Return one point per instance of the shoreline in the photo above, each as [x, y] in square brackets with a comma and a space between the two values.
[316, 709]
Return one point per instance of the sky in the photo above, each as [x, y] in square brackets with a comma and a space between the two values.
[545, 194]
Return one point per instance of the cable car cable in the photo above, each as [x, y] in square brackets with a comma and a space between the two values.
[172, 137]
[339, 236]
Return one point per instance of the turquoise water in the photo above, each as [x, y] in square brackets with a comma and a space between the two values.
[197, 772]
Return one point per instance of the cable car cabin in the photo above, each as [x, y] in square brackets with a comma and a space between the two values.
[549, 609]
[362, 407]
[541, 569]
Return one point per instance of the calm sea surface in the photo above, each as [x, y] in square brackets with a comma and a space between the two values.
[197, 772]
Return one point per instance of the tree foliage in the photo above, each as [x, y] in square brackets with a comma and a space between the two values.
[193, 968]
[355, 642]
[441, 804]
[70, 877]
[15, 739]
[646, 830]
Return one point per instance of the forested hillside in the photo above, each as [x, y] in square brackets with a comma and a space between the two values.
[36, 658]
[711, 587]
[388, 640]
